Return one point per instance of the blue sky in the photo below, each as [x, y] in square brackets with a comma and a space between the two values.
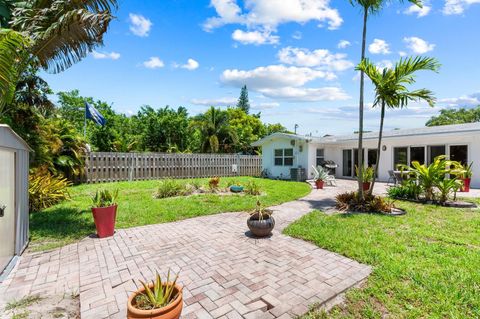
[296, 56]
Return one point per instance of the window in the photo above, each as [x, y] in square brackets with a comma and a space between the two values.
[347, 163]
[399, 156]
[417, 153]
[434, 151]
[459, 153]
[320, 156]
[284, 157]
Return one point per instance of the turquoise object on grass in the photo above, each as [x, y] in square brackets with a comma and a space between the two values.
[236, 189]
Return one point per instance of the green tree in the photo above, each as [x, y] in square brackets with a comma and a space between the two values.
[368, 7]
[455, 116]
[248, 129]
[243, 102]
[215, 133]
[391, 88]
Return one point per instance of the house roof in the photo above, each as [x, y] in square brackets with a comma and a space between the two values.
[10, 139]
[432, 130]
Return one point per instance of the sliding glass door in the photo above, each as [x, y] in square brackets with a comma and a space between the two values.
[417, 153]
[400, 156]
[434, 151]
[459, 153]
[347, 163]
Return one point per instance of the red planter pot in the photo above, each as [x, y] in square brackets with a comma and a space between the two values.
[319, 184]
[366, 186]
[466, 185]
[104, 218]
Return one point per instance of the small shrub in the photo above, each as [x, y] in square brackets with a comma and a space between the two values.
[409, 189]
[168, 188]
[232, 182]
[260, 213]
[46, 189]
[213, 183]
[195, 183]
[350, 201]
[105, 198]
[252, 188]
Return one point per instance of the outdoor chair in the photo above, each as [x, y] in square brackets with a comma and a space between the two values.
[391, 178]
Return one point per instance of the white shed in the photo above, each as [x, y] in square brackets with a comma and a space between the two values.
[14, 215]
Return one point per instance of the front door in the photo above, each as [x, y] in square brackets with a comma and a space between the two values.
[7, 207]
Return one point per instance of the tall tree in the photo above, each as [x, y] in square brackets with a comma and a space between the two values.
[368, 7]
[391, 88]
[455, 116]
[243, 102]
[215, 132]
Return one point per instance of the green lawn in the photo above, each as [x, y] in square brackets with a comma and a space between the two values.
[72, 220]
[426, 264]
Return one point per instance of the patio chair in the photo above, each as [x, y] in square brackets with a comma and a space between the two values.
[391, 178]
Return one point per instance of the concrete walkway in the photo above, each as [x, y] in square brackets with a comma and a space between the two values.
[225, 273]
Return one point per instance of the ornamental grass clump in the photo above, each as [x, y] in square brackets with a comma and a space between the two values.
[168, 188]
[46, 189]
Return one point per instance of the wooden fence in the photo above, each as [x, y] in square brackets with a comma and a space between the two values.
[112, 167]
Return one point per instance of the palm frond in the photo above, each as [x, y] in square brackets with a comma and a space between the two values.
[12, 55]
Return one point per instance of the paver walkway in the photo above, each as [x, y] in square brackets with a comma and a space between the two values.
[225, 273]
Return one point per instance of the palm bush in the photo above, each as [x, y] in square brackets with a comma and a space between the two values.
[168, 188]
[46, 189]
[409, 189]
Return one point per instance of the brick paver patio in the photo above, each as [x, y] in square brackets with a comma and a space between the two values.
[224, 272]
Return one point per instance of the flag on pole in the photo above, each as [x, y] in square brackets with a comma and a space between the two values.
[94, 115]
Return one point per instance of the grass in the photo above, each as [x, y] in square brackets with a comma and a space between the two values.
[72, 220]
[22, 303]
[425, 264]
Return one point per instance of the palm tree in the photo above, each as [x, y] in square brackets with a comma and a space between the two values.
[59, 34]
[215, 131]
[391, 88]
[368, 7]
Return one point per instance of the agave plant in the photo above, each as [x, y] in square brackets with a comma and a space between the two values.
[321, 174]
[158, 294]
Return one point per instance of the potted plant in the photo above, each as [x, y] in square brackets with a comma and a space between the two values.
[261, 221]
[368, 174]
[466, 178]
[321, 176]
[104, 210]
[157, 300]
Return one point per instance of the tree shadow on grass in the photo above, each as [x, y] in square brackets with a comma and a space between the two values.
[60, 223]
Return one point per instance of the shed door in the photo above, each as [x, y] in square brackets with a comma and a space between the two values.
[7, 207]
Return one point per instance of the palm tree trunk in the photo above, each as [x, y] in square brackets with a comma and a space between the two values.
[380, 135]
[360, 111]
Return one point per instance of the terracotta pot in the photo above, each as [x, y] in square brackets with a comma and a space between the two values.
[319, 184]
[104, 218]
[261, 228]
[466, 185]
[366, 186]
[171, 311]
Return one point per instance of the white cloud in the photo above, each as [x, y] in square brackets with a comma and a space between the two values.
[273, 76]
[297, 35]
[462, 101]
[457, 6]
[384, 64]
[379, 46]
[321, 58]
[223, 101]
[295, 94]
[154, 63]
[402, 53]
[190, 65]
[418, 45]
[106, 55]
[420, 12]
[139, 25]
[343, 44]
[265, 106]
[254, 37]
[268, 14]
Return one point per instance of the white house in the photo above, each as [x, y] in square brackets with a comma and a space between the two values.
[281, 152]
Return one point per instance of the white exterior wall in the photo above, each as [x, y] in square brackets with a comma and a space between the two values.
[333, 151]
[300, 156]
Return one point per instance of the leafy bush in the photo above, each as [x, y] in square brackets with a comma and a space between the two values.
[46, 189]
[104, 198]
[368, 173]
[252, 188]
[213, 183]
[350, 201]
[168, 188]
[409, 189]
[448, 186]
